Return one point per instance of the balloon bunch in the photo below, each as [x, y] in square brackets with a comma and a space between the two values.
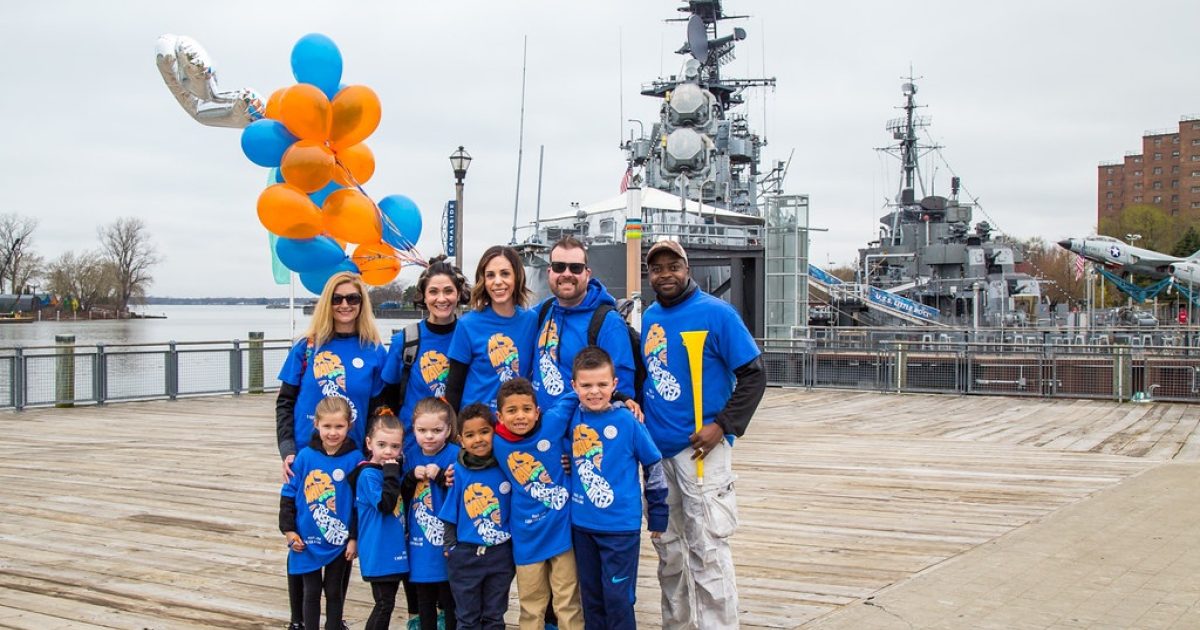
[312, 136]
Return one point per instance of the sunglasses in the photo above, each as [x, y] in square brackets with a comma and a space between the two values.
[576, 268]
[353, 299]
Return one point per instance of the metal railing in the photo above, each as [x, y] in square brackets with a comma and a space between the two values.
[68, 374]
[1024, 368]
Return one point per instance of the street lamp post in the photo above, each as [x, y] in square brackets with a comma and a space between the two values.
[460, 160]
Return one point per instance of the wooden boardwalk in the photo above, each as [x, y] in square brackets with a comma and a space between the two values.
[162, 514]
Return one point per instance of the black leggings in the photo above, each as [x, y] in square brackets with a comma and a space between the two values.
[331, 580]
[385, 602]
[429, 597]
[296, 597]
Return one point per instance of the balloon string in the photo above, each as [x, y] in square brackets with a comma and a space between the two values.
[409, 253]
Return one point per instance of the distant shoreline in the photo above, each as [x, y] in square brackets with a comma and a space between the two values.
[222, 301]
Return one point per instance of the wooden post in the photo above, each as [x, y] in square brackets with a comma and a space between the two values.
[64, 371]
[256, 362]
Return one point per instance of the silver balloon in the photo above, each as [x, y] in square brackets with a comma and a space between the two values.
[188, 73]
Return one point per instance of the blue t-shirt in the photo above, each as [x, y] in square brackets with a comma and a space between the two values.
[606, 450]
[540, 518]
[428, 377]
[324, 500]
[564, 332]
[381, 540]
[667, 396]
[478, 503]
[340, 367]
[495, 349]
[426, 532]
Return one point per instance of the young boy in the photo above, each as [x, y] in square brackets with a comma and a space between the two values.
[479, 556]
[529, 447]
[607, 444]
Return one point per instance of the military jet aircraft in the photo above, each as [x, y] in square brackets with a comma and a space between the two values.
[1118, 256]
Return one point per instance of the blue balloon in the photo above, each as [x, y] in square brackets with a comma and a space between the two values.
[315, 281]
[309, 254]
[319, 196]
[274, 176]
[317, 60]
[401, 221]
[264, 141]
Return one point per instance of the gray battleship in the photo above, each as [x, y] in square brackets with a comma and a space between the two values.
[694, 178]
[930, 266]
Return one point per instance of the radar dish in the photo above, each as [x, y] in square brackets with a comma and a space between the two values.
[697, 37]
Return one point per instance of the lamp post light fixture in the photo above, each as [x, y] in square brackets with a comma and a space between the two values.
[460, 160]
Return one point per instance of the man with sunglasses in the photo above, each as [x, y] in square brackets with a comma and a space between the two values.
[695, 566]
[564, 321]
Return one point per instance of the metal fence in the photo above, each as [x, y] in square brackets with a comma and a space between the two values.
[67, 374]
[1009, 364]
[1007, 368]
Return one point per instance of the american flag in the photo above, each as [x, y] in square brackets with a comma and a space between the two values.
[1080, 263]
[625, 179]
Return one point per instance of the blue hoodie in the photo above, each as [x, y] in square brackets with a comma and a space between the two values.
[564, 333]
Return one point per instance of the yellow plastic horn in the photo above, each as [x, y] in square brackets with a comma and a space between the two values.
[693, 342]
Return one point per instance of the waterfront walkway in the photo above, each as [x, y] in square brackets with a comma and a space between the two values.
[859, 510]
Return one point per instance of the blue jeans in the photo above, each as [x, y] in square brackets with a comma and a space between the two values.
[480, 578]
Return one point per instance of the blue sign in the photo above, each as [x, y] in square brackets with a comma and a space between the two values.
[903, 304]
[448, 235]
[823, 276]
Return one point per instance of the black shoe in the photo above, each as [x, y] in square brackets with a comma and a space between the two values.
[345, 626]
[295, 625]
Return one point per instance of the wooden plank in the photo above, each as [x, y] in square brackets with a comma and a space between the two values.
[171, 521]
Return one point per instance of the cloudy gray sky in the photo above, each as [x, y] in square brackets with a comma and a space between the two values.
[1025, 96]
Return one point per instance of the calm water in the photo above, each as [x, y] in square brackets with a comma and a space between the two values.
[183, 323]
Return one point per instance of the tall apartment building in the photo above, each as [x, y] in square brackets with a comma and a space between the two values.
[1166, 174]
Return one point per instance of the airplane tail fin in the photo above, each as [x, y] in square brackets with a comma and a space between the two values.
[1194, 256]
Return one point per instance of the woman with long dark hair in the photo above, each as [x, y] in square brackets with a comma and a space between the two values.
[494, 342]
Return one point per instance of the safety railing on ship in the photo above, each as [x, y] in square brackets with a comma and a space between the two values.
[1006, 368]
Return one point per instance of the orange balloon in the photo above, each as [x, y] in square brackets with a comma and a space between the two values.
[307, 165]
[288, 212]
[275, 105]
[306, 112]
[350, 215]
[377, 263]
[356, 114]
[358, 160]
[341, 243]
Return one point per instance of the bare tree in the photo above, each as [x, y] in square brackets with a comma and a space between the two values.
[29, 267]
[16, 238]
[85, 277]
[126, 246]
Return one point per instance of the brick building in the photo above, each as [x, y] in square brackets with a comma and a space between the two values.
[1166, 173]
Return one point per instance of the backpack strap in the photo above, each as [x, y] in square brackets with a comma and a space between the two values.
[597, 322]
[544, 310]
[412, 343]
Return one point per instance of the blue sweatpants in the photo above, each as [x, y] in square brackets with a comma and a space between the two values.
[480, 578]
[607, 564]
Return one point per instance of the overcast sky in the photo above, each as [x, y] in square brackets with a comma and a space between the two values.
[1027, 97]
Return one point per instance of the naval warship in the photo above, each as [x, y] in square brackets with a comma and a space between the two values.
[930, 266]
[695, 177]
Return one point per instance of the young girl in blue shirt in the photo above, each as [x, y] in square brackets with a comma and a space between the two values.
[381, 536]
[424, 490]
[315, 508]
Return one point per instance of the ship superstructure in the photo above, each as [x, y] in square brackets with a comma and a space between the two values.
[930, 263]
[695, 177]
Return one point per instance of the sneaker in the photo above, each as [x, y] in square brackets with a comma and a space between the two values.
[551, 626]
[295, 625]
[441, 622]
[414, 622]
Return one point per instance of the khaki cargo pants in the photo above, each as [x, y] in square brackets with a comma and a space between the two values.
[695, 565]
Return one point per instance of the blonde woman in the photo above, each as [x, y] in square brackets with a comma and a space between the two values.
[341, 354]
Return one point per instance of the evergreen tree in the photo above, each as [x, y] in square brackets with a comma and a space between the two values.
[1187, 244]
